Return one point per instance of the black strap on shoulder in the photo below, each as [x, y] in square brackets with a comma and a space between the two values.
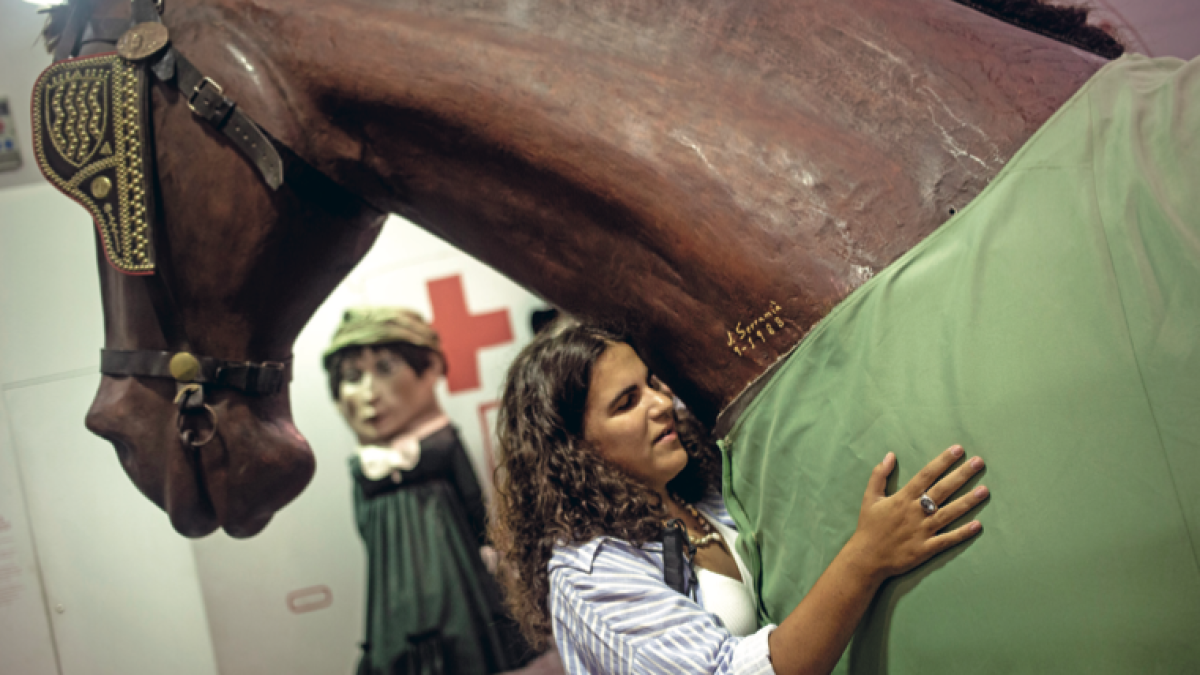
[675, 567]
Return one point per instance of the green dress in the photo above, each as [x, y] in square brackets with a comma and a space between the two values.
[1052, 327]
[432, 607]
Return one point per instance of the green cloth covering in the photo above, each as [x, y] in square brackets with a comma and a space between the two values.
[1052, 327]
[432, 607]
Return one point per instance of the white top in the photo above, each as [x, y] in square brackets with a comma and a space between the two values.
[731, 600]
[614, 614]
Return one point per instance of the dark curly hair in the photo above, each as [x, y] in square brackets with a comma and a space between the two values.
[553, 486]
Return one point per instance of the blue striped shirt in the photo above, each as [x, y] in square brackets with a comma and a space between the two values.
[612, 612]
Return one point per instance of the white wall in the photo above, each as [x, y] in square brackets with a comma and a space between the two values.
[26, 645]
[22, 57]
[105, 586]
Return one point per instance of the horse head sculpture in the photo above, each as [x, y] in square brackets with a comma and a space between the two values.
[715, 176]
[240, 269]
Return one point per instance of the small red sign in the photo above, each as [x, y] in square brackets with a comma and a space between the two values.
[486, 411]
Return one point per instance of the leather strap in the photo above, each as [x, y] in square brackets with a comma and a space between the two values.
[208, 101]
[261, 378]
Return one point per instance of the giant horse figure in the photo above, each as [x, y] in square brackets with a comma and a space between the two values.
[765, 195]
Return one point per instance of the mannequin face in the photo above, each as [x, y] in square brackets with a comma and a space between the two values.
[382, 397]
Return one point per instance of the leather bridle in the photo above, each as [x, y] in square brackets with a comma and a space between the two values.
[144, 41]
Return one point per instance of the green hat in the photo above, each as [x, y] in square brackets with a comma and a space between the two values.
[365, 326]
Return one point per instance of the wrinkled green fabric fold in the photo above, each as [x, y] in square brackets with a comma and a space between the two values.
[1052, 327]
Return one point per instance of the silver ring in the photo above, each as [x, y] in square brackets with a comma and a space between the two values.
[929, 506]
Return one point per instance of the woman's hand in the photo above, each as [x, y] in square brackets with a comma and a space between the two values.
[895, 534]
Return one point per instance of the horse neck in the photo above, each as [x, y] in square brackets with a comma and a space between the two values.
[683, 168]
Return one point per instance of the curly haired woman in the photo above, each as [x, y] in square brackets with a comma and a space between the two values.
[595, 457]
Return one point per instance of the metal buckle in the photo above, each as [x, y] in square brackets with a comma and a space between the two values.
[271, 376]
[198, 88]
[251, 377]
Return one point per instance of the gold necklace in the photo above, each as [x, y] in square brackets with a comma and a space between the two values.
[710, 535]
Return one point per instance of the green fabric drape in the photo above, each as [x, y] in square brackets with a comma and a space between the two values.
[1053, 327]
[432, 607]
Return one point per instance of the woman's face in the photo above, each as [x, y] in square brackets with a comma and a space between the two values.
[630, 417]
[382, 397]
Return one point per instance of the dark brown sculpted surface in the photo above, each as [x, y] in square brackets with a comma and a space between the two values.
[686, 168]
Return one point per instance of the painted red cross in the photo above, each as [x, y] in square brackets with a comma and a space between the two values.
[464, 334]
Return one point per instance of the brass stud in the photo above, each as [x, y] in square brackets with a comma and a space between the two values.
[184, 367]
[101, 186]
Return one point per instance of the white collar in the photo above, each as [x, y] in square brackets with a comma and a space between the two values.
[402, 454]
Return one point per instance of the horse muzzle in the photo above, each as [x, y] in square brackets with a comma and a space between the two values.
[231, 462]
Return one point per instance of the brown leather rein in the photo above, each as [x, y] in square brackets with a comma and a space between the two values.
[145, 43]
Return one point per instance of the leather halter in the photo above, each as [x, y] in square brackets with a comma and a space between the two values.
[193, 374]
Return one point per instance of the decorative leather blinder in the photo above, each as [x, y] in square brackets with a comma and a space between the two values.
[89, 137]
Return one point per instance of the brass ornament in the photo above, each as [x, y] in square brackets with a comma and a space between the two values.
[89, 142]
[184, 367]
[76, 114]
[143, 41]
[101, 186]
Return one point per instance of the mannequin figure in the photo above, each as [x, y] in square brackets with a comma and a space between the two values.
[432, 605]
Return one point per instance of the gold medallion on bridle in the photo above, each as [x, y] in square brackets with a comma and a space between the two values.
[143, 41]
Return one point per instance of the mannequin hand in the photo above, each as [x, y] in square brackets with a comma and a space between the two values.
[894, 534]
